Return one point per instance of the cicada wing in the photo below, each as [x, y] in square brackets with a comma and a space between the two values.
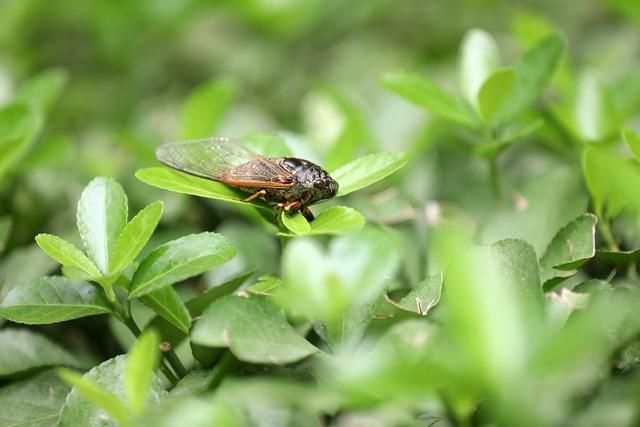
[210, 158]
[264, 172]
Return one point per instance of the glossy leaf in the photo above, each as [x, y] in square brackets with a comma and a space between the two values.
[168, 179]
[433, 98]
[494, 91]
[178, 260]
[19, 125]
[479, 57]
[367, 170]
[167, 303]
[533, 74]
[67, 254]
[571, 247]
[102, 215]
[98, 397]
[141, 363]
[423, 297]
[335, 220]
[33, 402]
[253, 329]
[53, 299]
[296, 223]
[135, 236]
[23, 350]
[204, 108]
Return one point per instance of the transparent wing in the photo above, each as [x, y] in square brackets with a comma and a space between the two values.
[210, 158]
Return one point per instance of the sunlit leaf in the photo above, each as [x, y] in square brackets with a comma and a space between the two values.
[102, 215]
[479, 57]
[67, 254]
[134, 237]
[296, 223]
[367, 170]
[167, 303]
[178, 260]
[168, 179]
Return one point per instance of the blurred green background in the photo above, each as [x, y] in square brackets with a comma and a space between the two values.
[117, 78]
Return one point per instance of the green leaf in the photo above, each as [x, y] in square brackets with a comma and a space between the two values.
[33, 402]
[492, 149]
[135, 236]
[167, 303]
[266, 285]
[195, 411]
[195, 306]
[253, 329]
[621, 258]
[533, 74]
[43, 89]
[139, 370]
[479, 57]
[203, 109]
[521, 217]
[423, 297]
[571, 247]
[296, 223]
[590, 112]
[178, 260]
[5, 231]
[612, 181]
[97, 398]
[51, 300]
[102, 215]
[494, 91]
[430, 96]
[366, 170]
[335, 220]
[19, 126]
[168, 179]
[93, 392]
[334, 287]
[67, 254]
[23, 350]
[633, 141]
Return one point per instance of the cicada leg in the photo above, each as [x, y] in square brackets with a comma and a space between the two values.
[306, 212]
[254, 195]
[292, 206]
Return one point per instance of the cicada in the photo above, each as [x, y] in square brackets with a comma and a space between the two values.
[291, 183]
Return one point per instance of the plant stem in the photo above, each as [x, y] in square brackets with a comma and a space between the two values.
[224, 365]
[169, 356]
[495, 177]
[607, 235]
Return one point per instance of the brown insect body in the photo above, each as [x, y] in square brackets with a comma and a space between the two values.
[292, 183]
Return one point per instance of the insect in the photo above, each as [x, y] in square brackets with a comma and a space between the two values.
[293, 184]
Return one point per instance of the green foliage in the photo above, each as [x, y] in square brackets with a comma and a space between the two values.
[457, 278]
[253, 330]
